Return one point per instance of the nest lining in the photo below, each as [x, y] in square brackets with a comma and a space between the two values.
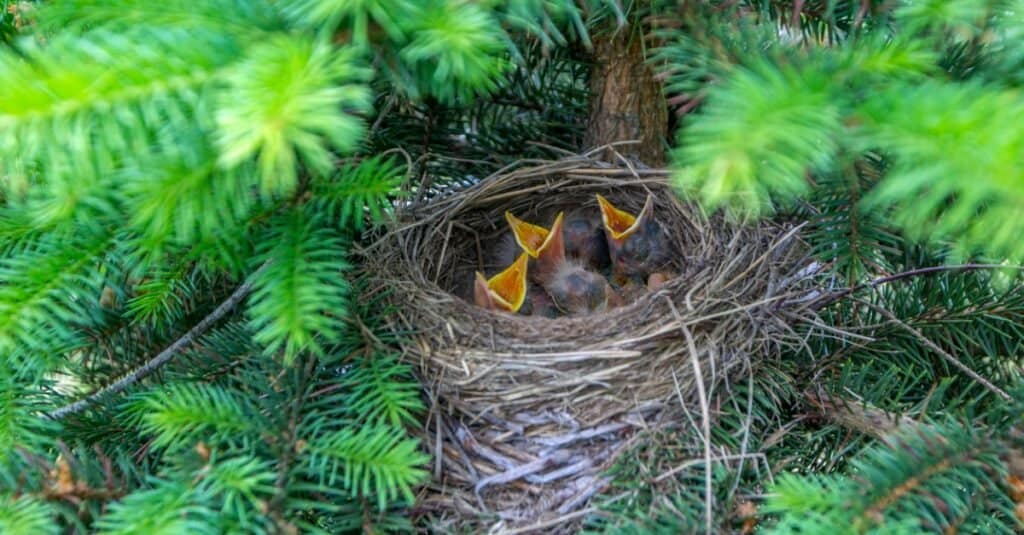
[529, 410]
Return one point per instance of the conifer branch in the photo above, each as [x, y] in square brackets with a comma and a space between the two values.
[164, 356]
[941, 352]
[874, 283]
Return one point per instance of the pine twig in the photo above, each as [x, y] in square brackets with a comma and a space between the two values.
[164, 356]
[942, 352]
[828, 299]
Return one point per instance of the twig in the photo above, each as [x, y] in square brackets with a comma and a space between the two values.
[522, 471]
[705, 415]
[839, 294]
[587, 434]
[942, 352]
[592, 488]
[541, 526]
[798, 7]
[858, 416]
[164, 356]
[571, 470]
[706, 462]
[747, 423]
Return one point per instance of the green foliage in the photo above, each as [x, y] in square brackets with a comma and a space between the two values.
[163, 298]
[298, 302]
[455, 42]
[936, 132]
[25, 516]
[39, 280]
[379, 394]
[20, 425]
[359, 192]
[179, 414]
[185, 199]
[779, 117]
[758, 136]
[371, 461]
[947, 471]
[239, 17]
[848, 235]
[243, 484]
[167, 507]
[155, 156]
[961, 17]
[282, 102]
[392, 16]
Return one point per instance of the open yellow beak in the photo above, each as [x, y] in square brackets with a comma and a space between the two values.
[621, 224]
[534, 239]
[504, 291]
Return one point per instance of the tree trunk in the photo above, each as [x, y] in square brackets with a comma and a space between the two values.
[627, 102]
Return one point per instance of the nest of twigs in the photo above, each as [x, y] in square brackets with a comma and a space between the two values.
[527, 412]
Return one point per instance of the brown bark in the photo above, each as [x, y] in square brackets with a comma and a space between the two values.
[627, 101]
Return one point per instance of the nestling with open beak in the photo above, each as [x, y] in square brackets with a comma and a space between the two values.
[505, 291]
[572, 288]
[538, 302]
[545, 247]
[637, 244]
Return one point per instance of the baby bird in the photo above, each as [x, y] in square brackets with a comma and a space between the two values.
[637, 244]
[505, 291]
[539, 303]
[572, 288]
[584, 239]
[545, 247]
[575, 290]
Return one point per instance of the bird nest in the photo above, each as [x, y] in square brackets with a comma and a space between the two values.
[527, 413]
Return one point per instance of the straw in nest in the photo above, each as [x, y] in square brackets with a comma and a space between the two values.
[528, 412]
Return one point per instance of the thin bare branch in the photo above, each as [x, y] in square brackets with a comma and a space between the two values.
[164, 356]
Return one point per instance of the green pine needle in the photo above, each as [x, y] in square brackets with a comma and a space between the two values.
[377, 461]
[298, 301]
[359, 193]
[25, 516]
[167, 508]
[457, 50]
[181, 414]
[290, 100]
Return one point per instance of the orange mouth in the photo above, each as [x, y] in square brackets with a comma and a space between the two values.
[534, 239]
[504, 291]
[619, 223]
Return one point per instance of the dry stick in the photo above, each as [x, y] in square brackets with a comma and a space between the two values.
[942, 352]
[586, 434]
[540, 526]
[589, 491]
[839, 294]
[746, 424]
[705, 414]
[721, 458]
[859, 416]
[164, 356]
[523, 470]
